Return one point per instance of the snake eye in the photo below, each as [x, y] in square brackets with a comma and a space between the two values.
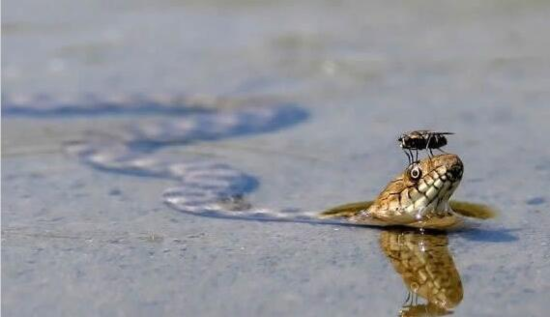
[415, 172]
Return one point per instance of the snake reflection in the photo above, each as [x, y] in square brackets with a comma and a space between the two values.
[427, 268]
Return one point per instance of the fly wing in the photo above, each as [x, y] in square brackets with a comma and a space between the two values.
[444, 133]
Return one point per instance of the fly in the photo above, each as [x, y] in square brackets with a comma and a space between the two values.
[422, 140]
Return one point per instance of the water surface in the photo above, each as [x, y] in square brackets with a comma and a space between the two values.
[79, 241]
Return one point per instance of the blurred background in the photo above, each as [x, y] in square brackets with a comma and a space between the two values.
[78, 241]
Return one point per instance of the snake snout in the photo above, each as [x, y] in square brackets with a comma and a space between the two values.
[450, 164]
[455, 168]
[455, 172]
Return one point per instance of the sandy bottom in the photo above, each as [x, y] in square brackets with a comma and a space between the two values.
[82, 242]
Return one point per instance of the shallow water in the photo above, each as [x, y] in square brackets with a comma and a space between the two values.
[80, 241]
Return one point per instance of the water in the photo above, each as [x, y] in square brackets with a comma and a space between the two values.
[78, 241]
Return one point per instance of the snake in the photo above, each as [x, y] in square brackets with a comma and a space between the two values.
[417, 197]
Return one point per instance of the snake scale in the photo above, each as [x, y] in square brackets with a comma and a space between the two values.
[210, 188]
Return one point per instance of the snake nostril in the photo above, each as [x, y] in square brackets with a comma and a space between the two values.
[456, 171]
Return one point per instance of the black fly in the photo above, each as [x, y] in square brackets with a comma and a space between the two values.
[422, 140]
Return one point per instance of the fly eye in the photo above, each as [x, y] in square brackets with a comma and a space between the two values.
[415, 173]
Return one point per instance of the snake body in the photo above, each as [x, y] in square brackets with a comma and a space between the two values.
[211, 188]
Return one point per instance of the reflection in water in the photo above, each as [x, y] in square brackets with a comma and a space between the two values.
[427, 268]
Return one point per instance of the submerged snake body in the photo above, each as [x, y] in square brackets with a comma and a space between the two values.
[215, 189]
[203, 186]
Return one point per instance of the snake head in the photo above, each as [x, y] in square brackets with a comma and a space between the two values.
[419, 194]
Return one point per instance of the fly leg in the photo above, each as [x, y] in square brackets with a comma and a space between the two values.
[428, 146]
[408, 156]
